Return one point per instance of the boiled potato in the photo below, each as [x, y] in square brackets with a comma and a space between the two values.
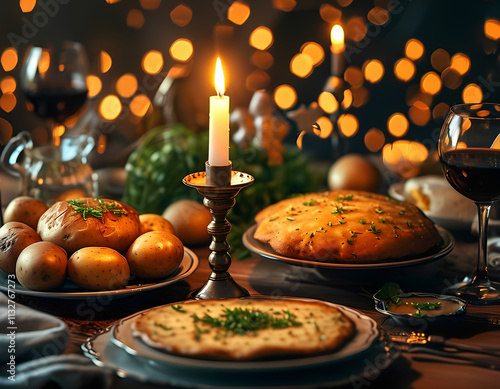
[25, 209]
[355, 172]
[98, 268]
[155, 254]
[190, 220]
[154, 222]
[42, 266]
[14, 238]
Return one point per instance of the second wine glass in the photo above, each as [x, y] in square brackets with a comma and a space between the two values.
[53, 80]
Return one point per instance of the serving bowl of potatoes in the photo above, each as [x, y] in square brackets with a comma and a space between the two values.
[86, 246]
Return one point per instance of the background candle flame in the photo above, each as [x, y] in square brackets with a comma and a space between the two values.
[219, 78]
[337, 38]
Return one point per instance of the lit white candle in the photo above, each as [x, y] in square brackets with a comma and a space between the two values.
[218, 147]
[337, 48]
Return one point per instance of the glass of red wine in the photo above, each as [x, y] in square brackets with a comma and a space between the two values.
[469, 151]
[53, 80]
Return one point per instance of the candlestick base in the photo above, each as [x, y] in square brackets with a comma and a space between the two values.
[219, 199]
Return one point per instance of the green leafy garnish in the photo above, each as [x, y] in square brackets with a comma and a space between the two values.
[424, 306]
[388, 293]
[162, 326]
[310, 203]
[97, 211]
[373, 228]
[178, 308]
[242, 321]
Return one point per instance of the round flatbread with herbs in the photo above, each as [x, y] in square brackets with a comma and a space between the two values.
[346, 227]
[245, 329]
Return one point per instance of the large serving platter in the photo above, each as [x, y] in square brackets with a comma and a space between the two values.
[69, 290]
[119, 348]
[266, 251]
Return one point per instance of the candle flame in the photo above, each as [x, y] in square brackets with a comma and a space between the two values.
[337, 38]
[219, 78]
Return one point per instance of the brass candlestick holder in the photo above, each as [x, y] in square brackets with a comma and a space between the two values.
[219, 186]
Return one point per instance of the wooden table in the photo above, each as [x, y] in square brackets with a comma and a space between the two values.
[260, 276]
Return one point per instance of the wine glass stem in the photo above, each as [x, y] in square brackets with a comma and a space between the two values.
[482, 260]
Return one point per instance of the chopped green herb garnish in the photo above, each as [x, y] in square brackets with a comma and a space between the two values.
[421, 306]
[329, 224]
[310, 203]
[162, 326]
[338, 210]
[379, 209]
[178, 308]
[290, 219]
[362, 221]
[98, 211]
[373, 228]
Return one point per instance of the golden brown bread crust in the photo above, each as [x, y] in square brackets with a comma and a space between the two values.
[71, 229]
[346, 227]
[323, 328]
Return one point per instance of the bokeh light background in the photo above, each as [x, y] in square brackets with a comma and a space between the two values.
[406, 63]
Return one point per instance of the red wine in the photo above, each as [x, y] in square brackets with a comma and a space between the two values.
[475, 173]
[57, 104]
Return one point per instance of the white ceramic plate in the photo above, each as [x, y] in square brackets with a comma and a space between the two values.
[397, 192]
[133, 358]
[69, 290]
[266, 251]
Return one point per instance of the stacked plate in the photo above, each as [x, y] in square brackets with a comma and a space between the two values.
[362, 358]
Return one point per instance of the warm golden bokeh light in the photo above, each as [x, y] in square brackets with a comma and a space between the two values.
[261, 38]
[354, 76]
[8, 84]
[329, 13]
[181, 50]
[431, 83]
[440, 59]
[404, 69]
[238, 12]
[373, 70]
[348, 124]
[6, 131]
[135, 19]
[440, 111]
[126, 85]
[101, 144]
[356, 29]
[378, 15]
[348, 99]
[181, 15]
[150, 4]
[285, 96]
[374, 139]
[94, 85]
[105, 61]
[414, 49]
[152, 62]
[323, 127]
[344, 3]
[404, 157]
[9, 59]
[300, 139]
[27, 5]
[110, 107]
[419, 113]
[492, 29]
[8, 101]
[139, 105]
[262, 59]
[301, 65]
[451, 78]
[360, 96]
[256, 80]
[315, 51]
[461, 63]
[328, 102]
[398, 124]
[284, 5]
[472, 93]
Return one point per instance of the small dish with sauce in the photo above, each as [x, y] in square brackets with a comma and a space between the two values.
[409, 308]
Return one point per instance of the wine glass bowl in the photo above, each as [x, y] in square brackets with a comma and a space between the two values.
[469, 152]
[53, 80]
